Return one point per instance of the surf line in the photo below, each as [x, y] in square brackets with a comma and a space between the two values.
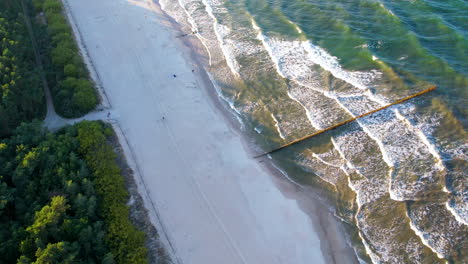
[346, 122]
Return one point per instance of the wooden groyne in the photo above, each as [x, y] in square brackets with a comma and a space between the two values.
[347, 121]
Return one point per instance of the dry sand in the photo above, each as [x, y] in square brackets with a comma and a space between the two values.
[211, 202]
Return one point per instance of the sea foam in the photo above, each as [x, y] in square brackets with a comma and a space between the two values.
[221, 32]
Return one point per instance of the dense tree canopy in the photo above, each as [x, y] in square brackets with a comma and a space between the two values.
[73, 92]
[21, 88]
[62, 196]
[21, 91]
[62, 199]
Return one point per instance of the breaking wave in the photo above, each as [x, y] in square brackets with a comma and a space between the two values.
[388, 160]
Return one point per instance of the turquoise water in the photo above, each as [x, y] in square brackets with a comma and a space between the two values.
[288, 68]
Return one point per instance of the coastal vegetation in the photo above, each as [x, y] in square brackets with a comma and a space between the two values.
[22, 96]
[73, 92]
[62, 195]
[21, 91]
[63, 199]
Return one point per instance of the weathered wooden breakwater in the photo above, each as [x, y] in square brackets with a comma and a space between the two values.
[347, 121]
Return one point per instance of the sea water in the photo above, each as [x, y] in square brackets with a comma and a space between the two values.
[289, 68]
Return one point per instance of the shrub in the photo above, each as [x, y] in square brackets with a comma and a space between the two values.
[125, 241]
[37, 5]
[61, 55]
[21, 91]
[52, 6]
[70, 70]
[62, 36]
[84, 98]
[74, 95]
[55, 19]
[58, 28]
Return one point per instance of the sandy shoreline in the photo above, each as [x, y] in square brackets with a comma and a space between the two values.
[214, 202]
[333, 239]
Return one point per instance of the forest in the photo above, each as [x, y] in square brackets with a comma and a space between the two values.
[72, 91]
[21, 90]
[62, 195]
[63, 199]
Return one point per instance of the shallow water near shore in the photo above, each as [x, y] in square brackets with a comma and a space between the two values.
[290, 68]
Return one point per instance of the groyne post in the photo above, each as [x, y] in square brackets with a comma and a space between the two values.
[347, 121]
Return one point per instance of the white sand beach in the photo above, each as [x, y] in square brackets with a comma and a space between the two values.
[211, 201]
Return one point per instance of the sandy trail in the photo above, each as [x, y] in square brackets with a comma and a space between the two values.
[213, 202]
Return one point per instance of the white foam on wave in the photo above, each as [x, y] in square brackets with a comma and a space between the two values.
[402, 57]
[431, 148]
[221, 32]
[283, 172]
[262, 38]
[457, 150]
[162, 4]
[422, 237]
[315, 55]
[298, 29]
[278, 49]
[309, 115]
[194, 28]
[382, 127]
[386, 9]
[360, 187]
[388, 154]
[385, 156]
[345, 170]
[331, 170]
[279, 70]
[319, 175]
[323, 169]
[337, 72]
[374, 257]
[234, 111]
[204, 42]
[323, 161]
[357, 192]
[360, 80]
[342, 155]
[388, 159]
[420, 135]
[330, 63]
[456, 214]
[340, 73]
[277, 126]
[288, 58]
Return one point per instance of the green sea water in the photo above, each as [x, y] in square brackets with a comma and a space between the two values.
[397, 179]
